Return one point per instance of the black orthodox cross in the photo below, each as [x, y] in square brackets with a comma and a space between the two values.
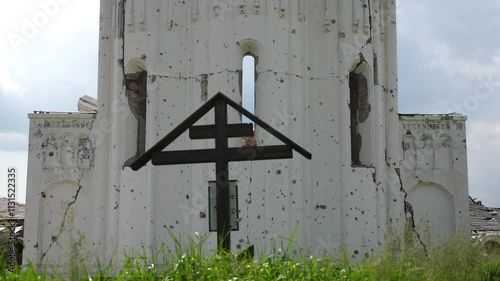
[221, 155]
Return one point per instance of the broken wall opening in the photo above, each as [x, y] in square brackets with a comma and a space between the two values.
[360, 118]
[136, 96]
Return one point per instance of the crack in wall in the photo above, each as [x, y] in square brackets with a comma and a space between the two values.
[370, 39]
[63, 222]
[204, 77]
[122, 36]
[54, 238]
[249, 201]
[408, 209]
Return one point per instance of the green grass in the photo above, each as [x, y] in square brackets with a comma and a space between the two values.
[457, 258]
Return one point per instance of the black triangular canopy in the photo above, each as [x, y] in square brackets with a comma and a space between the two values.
[197, 115]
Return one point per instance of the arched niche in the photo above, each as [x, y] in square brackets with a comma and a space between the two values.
[433, 207]
[63, 227]
[426, 153]
[444, 153]
[68, 152]
[361, 115]
[136, 97]
[409, 152]
[86, 152]
[50, 152]
[249, 46]
[135, 66]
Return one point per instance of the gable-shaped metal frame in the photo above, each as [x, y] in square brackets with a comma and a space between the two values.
[197, 115]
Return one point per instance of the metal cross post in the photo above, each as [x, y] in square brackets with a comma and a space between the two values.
[222, 176]
[221, 155]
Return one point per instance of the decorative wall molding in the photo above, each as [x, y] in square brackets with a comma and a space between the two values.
[129, 14]
[356, 15]
[216, 8]
[282, 8]
[366, 18]
[57, 123]
[68, 152]
[114, 18]
[142, 13]
[383, 19]
[170, 15]
[427, 126]
[195, 13]
[256, 6]
[301, 15]
[242, 7]
[327, 23]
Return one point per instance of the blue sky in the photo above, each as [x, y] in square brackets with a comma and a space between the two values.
[448, 60]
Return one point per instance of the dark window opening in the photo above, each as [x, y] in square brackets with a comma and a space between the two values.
[359, 110]
[136, 92]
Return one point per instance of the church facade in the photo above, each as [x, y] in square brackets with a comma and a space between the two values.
[325, 76]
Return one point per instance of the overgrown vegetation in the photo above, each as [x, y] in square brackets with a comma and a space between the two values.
[457, 258]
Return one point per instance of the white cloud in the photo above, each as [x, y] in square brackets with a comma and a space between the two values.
[13, 141]
[10, 86]
[442, 57]
[73, 18]
[27, 23]
[416, 24]
[484, 137]
[484, 151]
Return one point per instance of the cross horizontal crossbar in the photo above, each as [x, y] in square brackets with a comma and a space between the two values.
[232, 131]
[233, 154]
[200, 112]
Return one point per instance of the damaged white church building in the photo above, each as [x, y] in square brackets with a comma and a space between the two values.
[325, 76]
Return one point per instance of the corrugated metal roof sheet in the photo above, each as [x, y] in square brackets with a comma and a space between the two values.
[483, 219]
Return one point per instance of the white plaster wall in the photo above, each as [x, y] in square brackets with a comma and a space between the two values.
[437, 191]
[304, 52]
[61, 211]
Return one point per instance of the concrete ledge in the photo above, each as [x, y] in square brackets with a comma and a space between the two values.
[61, 115]
[432, 117]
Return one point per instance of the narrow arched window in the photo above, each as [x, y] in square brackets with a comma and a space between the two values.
[248, 86]
[248, 93]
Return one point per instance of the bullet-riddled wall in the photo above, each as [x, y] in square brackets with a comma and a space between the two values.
[306, 55]
[325, 76]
